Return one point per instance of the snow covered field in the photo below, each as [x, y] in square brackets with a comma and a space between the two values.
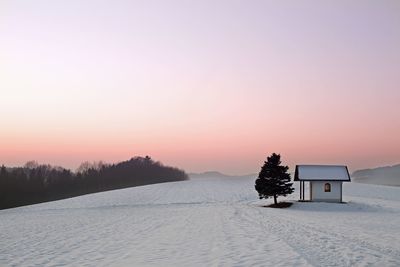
[204, 222]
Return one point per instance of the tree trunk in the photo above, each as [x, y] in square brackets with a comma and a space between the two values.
[275, 201]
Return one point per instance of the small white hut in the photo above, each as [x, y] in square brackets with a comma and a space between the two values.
[325, 181]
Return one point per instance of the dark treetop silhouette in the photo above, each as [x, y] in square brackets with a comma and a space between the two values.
[273, 179]
[36, 183]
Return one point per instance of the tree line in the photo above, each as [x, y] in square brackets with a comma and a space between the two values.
[34, 183]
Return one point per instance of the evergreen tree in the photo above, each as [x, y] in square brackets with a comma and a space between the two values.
[36, 183]
[3, 171]
[273, 179]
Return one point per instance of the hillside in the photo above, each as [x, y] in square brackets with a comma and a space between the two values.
[34, 183]
[216, 175]
[204, 222]
[389, 175]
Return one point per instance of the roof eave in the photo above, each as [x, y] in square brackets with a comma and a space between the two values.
[321, 180]
[296, 173]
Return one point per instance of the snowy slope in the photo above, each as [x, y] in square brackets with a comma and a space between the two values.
[204, 222]
[389, 175]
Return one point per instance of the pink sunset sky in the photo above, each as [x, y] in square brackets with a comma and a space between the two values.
[202, 85]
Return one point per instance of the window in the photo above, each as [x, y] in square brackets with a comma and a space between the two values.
[327, 187]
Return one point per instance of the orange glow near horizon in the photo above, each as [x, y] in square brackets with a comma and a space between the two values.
[200, 88]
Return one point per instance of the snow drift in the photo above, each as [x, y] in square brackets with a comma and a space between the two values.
[204, 222]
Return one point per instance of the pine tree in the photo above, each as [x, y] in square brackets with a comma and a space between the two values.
[273, 179]
[3, 171]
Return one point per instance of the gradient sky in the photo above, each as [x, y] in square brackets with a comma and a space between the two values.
[202, 85]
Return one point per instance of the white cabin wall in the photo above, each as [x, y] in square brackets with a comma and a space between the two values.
[318, 191]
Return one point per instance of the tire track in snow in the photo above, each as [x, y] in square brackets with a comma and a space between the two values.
[351, 241]
[321, 247]
[193, 223]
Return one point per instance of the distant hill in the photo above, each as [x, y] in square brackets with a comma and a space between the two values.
[34, 183]
[389, 175]
[215, 174]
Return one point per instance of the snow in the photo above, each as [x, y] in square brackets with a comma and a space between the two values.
[388, 175]
[322, 172]
[204, 222]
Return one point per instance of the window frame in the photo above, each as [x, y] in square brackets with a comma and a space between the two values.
[327, 188]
